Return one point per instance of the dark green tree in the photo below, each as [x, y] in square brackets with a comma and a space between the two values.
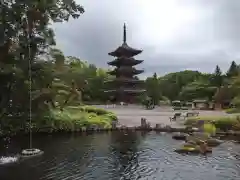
[172, 83]
[26, 34]
[217, 77]
[153, 89]
[233, 70]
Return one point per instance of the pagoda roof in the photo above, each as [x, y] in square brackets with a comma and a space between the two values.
[125, 61]
[125, 70]
[127, 80]
[124, 49]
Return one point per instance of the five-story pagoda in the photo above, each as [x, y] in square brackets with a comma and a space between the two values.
[126, 86]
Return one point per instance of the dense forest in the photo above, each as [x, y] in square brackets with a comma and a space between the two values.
[193, 85]
[57, 80]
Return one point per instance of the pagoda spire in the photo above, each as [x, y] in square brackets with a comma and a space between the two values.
[124, 34]
[125, 87]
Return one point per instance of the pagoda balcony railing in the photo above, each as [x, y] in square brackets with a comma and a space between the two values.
[124, 80]
[126, 71]
[125, 86]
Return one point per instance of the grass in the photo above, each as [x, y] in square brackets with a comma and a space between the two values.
[73, 118]
[223, 123]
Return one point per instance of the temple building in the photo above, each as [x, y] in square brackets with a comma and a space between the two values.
[126, 86]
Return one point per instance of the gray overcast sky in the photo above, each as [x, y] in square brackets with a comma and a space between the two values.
[174, 34]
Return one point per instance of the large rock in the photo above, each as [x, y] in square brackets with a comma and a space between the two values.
[198, 136]
[180, 136]
[212, 142]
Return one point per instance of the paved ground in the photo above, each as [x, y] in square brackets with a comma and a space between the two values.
[131, 115]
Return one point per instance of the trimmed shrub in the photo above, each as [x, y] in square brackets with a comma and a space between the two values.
[71, 118]
[223, 123]
[92, 109]
[209, 128]
[232, 110]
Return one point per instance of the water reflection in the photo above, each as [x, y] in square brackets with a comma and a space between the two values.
[119, 155]
[125, 153]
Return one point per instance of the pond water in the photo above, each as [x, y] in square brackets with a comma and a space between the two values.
[119, 156]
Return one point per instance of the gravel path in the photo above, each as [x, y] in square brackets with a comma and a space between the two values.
[131, 115]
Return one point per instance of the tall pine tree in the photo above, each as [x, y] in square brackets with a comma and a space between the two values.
[153, 88]
[233, 70]
[217, 79]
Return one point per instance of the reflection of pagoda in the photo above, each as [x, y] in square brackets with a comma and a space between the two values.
[126, 85]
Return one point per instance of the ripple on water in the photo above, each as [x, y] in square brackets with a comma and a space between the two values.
[123, 156]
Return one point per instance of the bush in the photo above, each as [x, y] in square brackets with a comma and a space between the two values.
[89, 109]
[92, 109]
[209, 128]
[76, 117]
[232, 110]
[236, 101]
[112, 116]
[223, 122]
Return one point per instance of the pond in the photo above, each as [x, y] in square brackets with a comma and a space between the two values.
[119, 156]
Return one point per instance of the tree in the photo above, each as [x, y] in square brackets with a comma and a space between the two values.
[153, 89]
[197, 90]
[217, 71]
[235, 85]
[172, 83]
[223, 95]
[233, 70]
[58, 58]
[217, 78]
[236, 101]
[155, 76]
[26, 36]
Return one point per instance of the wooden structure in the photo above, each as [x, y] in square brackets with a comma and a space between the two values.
[126, 85]
[200, 104]
[203, 105]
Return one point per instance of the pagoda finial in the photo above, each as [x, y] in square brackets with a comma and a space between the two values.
[124, 33]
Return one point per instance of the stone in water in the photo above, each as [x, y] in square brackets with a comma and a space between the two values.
[31, 152]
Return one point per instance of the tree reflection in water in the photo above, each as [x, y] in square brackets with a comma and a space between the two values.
[125, 153]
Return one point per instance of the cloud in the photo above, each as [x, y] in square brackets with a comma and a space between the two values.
[174, 35]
